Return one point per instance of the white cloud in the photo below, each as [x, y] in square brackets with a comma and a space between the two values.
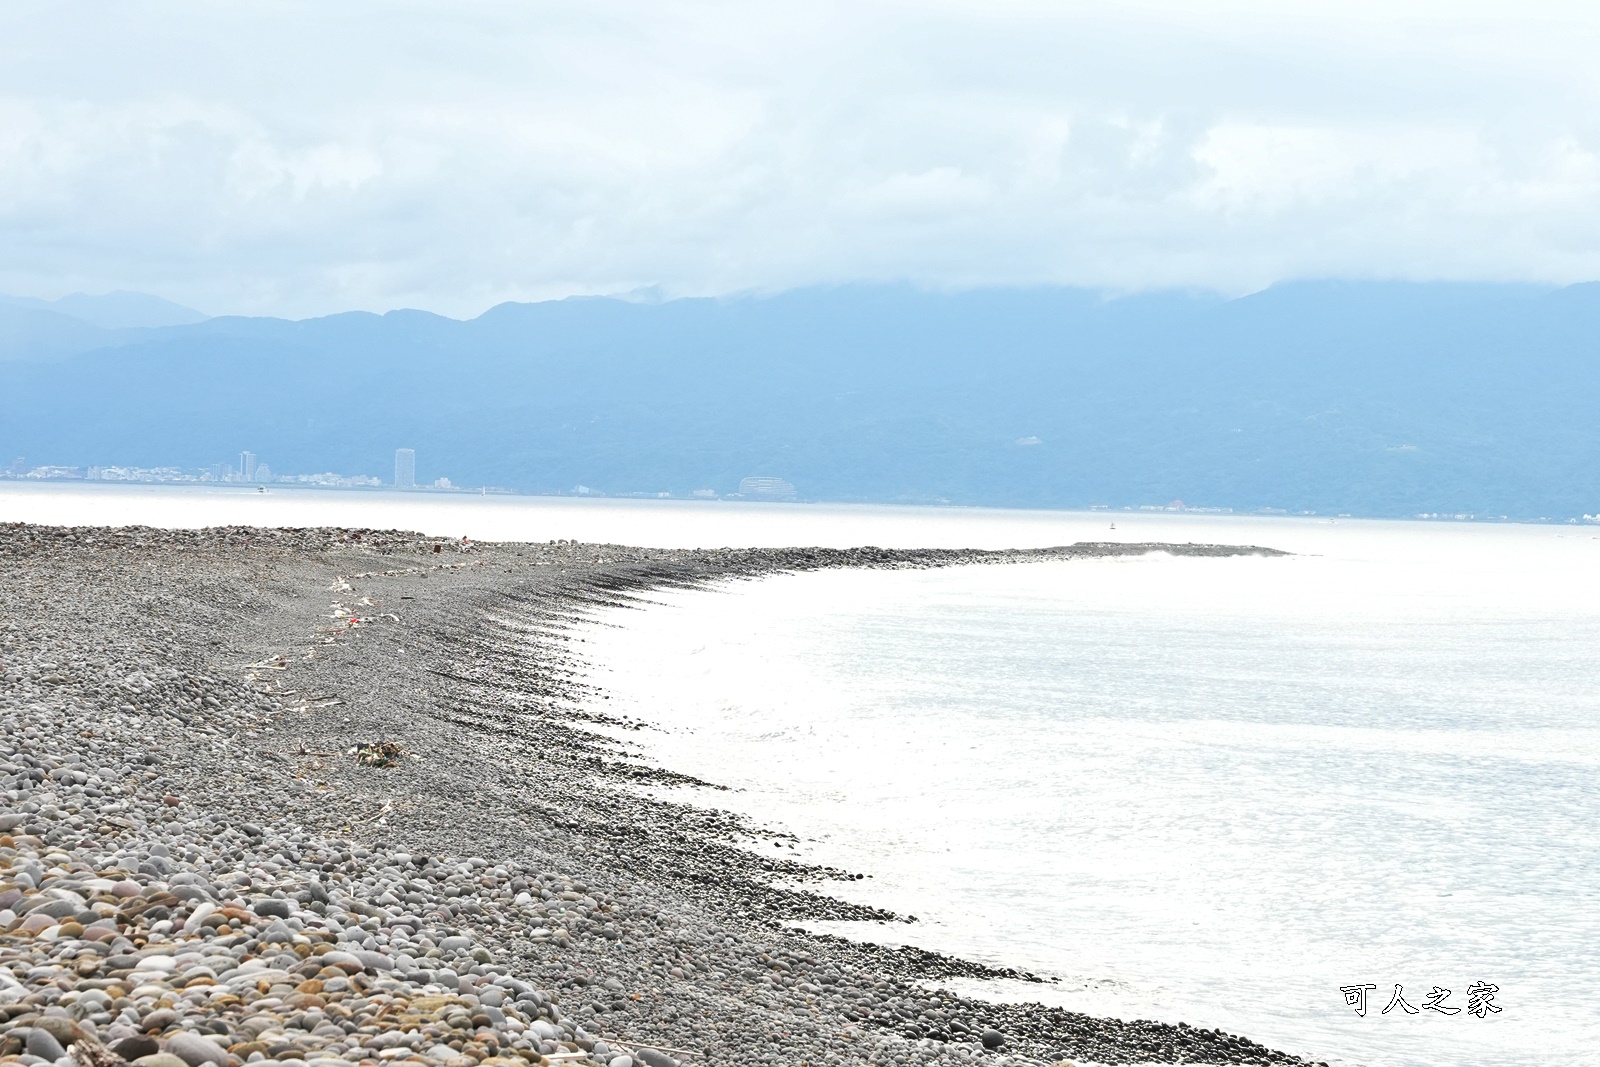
[297, 158]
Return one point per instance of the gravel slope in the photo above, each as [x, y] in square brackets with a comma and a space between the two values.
[193, 863]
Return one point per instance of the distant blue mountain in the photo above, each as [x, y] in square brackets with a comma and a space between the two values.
[30, 333]
[33, 329]
[113, 311]
[1369, 398]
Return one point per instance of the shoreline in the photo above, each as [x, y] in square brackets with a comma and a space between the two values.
[215, 681]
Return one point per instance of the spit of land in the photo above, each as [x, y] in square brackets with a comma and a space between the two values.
[337, 796]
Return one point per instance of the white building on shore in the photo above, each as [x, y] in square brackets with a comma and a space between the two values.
[405, 468]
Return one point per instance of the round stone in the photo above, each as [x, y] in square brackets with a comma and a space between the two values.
[160, 1059]
[42, 1043]
[132, 1048]
[194, 1050]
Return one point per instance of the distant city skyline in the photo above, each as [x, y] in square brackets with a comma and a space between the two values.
[254, 471]
[756, 488]
[752, 488]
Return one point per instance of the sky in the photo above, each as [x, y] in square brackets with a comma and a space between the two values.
[301, 158]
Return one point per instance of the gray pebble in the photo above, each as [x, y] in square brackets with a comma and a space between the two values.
[195, 1050]
[43, 1044]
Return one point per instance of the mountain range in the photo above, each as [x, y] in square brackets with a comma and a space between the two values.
[1369, 398]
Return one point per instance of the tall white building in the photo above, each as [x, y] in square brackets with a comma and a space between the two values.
[247, 466]
[405, 468]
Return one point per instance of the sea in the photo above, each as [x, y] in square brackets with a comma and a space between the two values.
[1343, 802]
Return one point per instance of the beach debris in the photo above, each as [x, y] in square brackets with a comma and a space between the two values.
[652, 1055]
[379, 754]
[87, 1051]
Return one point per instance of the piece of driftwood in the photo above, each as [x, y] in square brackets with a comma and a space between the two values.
[88, 1052]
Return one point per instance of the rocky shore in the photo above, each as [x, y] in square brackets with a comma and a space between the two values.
[336, 796]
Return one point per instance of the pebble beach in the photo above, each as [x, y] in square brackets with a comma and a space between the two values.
[338, 796]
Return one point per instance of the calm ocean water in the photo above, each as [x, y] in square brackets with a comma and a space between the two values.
[1205, 790]
[1198, 789]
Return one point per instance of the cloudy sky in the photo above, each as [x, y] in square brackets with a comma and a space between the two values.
[299, 158]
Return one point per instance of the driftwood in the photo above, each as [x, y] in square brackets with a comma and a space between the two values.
[86, 1051]
[659, 1048]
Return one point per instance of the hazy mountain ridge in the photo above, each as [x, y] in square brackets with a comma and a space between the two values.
[1372, 398]
[32, 329]
[121, 309]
